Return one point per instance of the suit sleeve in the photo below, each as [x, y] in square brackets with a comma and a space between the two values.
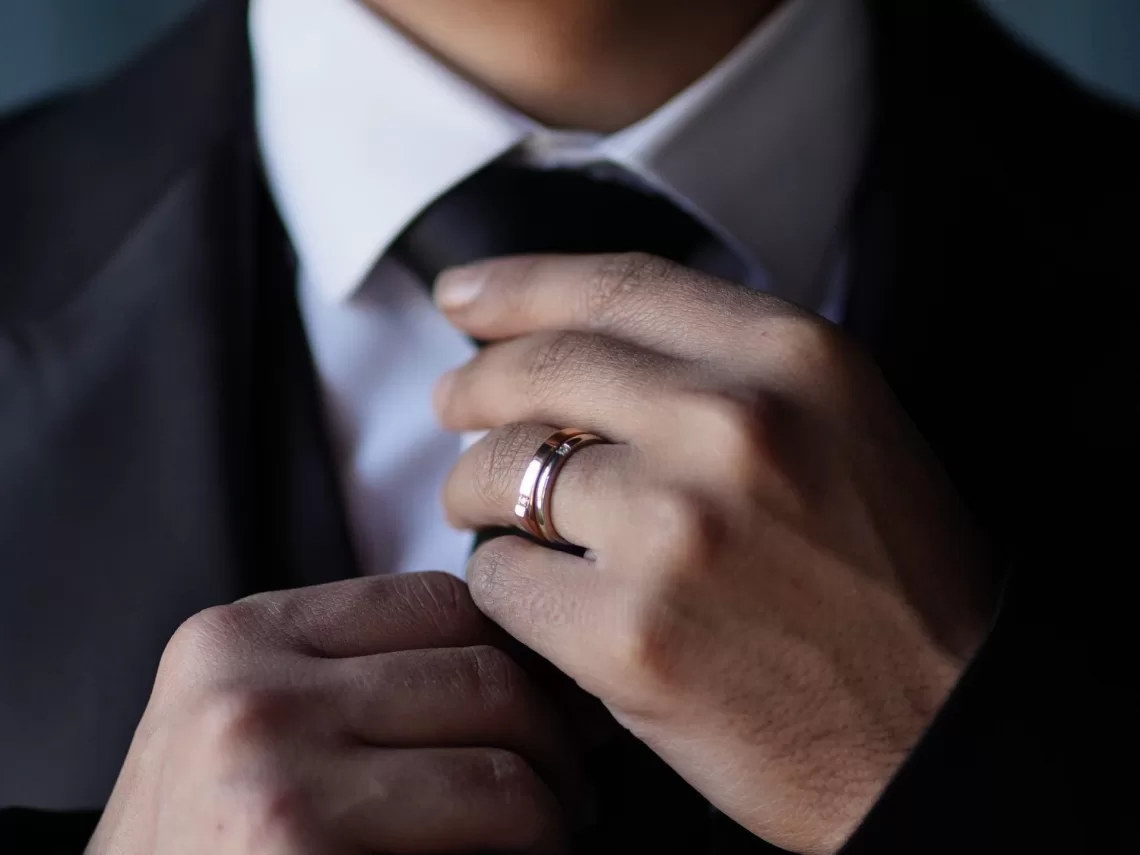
[1027, 754]
[46, 832]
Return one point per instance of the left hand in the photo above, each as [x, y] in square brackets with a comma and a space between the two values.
[781, 587]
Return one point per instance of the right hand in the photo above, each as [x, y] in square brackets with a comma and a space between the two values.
[363, 716]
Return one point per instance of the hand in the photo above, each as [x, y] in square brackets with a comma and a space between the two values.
[780, 589]
[365, 716]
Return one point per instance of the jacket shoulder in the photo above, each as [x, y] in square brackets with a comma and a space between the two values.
[77, 174]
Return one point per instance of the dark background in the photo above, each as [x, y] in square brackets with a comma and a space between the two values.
[46, 45]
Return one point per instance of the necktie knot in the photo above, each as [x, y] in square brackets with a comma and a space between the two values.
[506, 209]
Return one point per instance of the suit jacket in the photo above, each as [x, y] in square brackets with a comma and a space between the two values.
[162, 446]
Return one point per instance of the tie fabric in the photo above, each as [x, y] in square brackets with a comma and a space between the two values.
[507, 209]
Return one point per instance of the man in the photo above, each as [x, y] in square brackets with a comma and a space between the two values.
[819, 641]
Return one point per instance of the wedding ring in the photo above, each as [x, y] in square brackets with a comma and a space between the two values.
[537, 487]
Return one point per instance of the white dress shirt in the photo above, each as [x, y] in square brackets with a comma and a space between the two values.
[360, 130]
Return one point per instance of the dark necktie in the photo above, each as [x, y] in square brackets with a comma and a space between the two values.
[505, 210]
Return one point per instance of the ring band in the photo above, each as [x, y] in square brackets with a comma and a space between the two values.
[537, 487]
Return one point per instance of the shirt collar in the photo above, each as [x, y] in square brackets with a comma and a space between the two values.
[360, 130]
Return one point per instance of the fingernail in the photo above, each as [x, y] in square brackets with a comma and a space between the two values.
[442, 391]
[458, 287]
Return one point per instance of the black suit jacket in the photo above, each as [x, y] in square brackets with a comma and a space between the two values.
[162, 446]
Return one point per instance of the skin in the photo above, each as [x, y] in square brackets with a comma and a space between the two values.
[781, 587]
[588, 64]
[373, 715]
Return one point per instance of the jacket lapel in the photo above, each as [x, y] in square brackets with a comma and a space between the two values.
[161, 449]
[966, 260]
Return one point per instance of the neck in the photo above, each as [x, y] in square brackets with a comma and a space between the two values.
[586, 64]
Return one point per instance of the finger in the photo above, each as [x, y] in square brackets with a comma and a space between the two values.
[632, 296]
[591, 490]
[594, 383]
[360, 617]
[462, 697]
[449, 800]
[570, 610]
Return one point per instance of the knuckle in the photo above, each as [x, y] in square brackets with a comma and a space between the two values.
[686, 533]
[619, 280]
[502, 779]
[734, 428]
[808, 344]
[508, 451]
[491, 571]
[447, 593]
[207, 639]
[552, 357]
[273, 816]
[497, 770]
[236, 719]
[682, 558]
[516, 782]
[494, 677]
[441, 598]
[648, 654]
[520, 280]
[203, 632]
